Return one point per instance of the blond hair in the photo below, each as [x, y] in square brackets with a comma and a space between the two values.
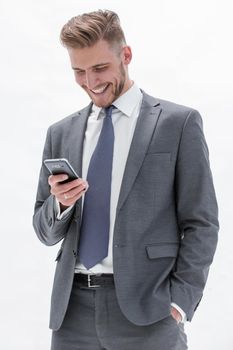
[87, 29]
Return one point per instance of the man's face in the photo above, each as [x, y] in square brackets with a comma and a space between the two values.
[101, 71]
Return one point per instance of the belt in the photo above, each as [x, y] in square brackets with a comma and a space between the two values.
[94, 281]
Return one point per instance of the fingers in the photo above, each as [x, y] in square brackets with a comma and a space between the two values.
[53, 179]
[70, 197]
[75, 191]
[58, 188]
[176, 314]
[67, 193]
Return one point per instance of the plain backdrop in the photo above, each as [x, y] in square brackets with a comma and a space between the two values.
[182, 51]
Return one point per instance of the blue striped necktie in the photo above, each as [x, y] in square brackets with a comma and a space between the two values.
[94, 234]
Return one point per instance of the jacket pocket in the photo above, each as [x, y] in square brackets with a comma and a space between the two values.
[162, 250]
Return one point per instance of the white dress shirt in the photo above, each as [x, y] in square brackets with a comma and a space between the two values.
[124, 119]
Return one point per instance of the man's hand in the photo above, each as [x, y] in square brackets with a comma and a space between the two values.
[68, 193]
[176, 315]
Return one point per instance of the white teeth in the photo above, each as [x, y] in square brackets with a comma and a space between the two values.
[99, 91]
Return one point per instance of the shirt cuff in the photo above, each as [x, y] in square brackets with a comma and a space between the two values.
[57, 208]
[183, 314]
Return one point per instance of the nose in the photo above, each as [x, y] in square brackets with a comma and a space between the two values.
[90, 80]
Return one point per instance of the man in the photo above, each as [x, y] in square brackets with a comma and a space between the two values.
[139, 227]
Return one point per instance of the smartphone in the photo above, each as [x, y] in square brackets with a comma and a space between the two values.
[61, 166]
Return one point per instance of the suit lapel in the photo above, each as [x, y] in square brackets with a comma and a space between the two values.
[144, 130]
[77, 133]
[75, 147]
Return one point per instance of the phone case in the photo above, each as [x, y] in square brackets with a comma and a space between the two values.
[61, 166]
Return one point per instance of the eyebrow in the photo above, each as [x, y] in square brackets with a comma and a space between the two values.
[95, 66]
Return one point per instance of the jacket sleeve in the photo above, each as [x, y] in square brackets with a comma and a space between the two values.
[48, 228]
[197, 216]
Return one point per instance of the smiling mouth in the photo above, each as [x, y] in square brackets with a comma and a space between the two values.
[100, 90]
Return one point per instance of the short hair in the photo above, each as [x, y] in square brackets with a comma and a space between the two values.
[87, 29]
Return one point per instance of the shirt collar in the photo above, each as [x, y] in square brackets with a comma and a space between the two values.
[126, 103]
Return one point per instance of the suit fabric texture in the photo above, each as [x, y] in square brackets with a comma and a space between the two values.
[166, 225]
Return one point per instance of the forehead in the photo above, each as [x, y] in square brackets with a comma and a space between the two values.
[87, 57]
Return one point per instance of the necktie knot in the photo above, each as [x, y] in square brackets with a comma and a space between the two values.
[108, 110]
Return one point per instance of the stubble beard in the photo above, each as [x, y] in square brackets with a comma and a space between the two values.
[119, 87]
[116, 92]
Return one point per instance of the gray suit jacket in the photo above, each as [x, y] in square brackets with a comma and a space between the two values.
[166, 226]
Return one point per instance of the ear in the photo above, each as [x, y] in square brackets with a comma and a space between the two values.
[127, 55]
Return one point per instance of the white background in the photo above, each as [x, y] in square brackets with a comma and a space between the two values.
[182, 51]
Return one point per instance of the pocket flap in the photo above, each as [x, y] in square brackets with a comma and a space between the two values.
[162, 250]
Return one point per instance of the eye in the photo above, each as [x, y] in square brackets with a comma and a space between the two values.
[100, 69]
[79, 72]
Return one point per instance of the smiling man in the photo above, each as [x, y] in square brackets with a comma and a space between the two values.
[139, 226]
[102, 70]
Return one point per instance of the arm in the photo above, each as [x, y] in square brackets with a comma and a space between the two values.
[49, 226]
[197, 217]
